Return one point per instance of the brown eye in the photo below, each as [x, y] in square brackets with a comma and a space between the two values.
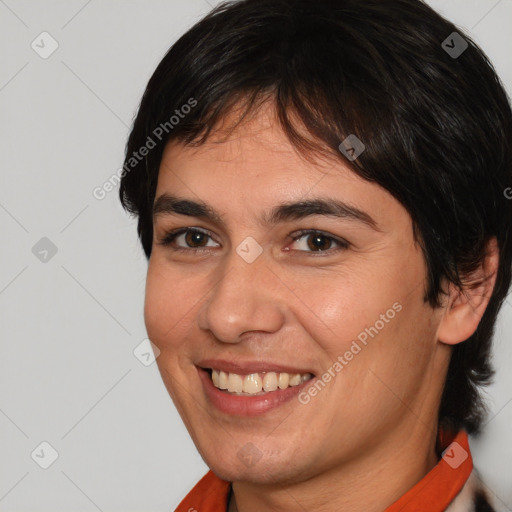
[315, 241]
[319, 242]
[196, 238]
[186, 239]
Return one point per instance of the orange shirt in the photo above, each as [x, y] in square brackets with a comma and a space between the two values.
[436, 489]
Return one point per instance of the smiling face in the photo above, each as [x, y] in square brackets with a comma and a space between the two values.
[299, 304]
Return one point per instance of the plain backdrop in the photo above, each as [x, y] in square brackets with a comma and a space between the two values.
[74, 396]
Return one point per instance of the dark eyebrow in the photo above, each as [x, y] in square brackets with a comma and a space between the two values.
[167, 204]
[318, 206]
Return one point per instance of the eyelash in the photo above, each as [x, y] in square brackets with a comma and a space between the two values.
[170, 236]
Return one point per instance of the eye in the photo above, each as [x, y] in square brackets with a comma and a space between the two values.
[317, 241]
[192, 238]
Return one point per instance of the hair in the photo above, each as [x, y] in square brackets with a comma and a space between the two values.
[437, 131]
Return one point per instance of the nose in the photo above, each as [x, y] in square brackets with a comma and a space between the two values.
[246, 297]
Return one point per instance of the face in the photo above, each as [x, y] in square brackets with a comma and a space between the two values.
[332, 287]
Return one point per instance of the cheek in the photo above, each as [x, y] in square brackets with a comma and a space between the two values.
[373, 315]
[168, 299]
[335, 308]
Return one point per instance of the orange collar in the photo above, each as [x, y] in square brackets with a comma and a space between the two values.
[438, 488]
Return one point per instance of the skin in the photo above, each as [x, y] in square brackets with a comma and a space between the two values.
[373, 427]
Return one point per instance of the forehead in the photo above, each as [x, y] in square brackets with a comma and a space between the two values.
[255, 166]
[258, 145]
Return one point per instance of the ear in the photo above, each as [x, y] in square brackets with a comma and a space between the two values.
[464, 309]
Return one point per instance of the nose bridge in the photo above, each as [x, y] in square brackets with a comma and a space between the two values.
[241, 300]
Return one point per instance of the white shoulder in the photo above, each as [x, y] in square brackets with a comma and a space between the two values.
[475, 497]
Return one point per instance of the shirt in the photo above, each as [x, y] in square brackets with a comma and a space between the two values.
[437, 490]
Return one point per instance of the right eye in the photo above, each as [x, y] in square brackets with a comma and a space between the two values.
[191, 238]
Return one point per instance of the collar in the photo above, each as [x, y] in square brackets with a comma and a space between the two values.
[438, 487]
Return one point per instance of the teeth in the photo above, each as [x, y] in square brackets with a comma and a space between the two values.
[252, 383]
[223, 380]
[235, 383]
[283, 380]
[270, 381]
[295, 379]
[256, 383]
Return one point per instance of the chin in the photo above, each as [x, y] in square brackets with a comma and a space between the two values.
[238, 466]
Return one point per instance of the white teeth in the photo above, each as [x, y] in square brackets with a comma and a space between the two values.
[270, 381]
[252, 383]
[295, 379]
[235, 383]
[283, 380]
[223, 380]
[256, 383]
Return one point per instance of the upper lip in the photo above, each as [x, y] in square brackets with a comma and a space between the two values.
[247, 367]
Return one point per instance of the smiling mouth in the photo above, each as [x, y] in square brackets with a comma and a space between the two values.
[255, 384]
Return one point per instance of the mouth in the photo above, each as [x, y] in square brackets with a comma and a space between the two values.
[251, 394]
[255, 384]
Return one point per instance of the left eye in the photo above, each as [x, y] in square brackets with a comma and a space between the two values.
[316, 241]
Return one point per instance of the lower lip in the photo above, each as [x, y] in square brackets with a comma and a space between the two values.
[248, 405]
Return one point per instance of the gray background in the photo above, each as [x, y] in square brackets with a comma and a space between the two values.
[70, 321]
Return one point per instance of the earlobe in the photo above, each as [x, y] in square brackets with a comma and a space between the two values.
[464, 309]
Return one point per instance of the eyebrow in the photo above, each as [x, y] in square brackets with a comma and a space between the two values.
[167, 204]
